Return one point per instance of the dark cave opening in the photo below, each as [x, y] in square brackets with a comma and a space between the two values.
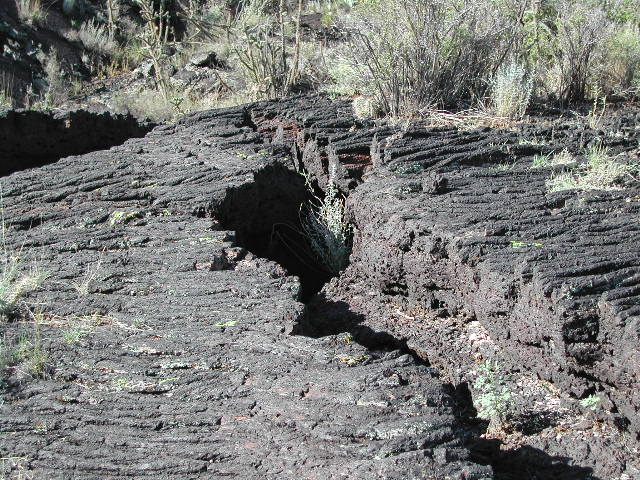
[265, 215]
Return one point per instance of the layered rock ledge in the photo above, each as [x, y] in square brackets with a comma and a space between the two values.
[31, 138]
[169, 331]
[169, 353]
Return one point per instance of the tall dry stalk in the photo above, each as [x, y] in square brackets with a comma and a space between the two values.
[155, 37]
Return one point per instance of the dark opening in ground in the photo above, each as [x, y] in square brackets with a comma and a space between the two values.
[30, 138]
[266, 218]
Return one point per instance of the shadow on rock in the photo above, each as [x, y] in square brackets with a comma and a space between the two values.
[324, 317]
[525, 462]
[509, 463]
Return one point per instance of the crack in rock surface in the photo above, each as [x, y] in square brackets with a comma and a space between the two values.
[169, 345]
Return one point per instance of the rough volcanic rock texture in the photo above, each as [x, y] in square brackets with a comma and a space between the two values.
[553, 277]
[30, 138]
[169, 346]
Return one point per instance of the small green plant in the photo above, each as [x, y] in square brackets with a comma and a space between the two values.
[139, 324]
[494, 394]
[503, 167]
[97, 38]
[352, 360]
[541, 161]
[511, 91]
[120, 217]
[6, 91]
[57, 84]
[594, 117]
[535, 140]
[30, 352]
[83, 286]
[228, 323]
[31, 11]
[563, 158]
[408, 169]
[14, 283]
[600, 173]
[591, 402]
[519, 244]
[119, 384]
[324, 224]
[74, 335]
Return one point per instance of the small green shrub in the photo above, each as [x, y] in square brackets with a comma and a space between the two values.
[325, 226]
[494, 394]
[119, 217]
[600, 173]
[74, 335]
[511, 91]
[591, 402]
[563, 158]
[14, 283]
[31, 11]
[154, 38]
[84, 285]
[57, 87]
[266, 43]
[540, 161]
[596, 112]
[96, 38]
[620, 67]
[24, 350]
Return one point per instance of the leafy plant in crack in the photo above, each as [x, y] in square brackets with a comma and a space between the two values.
[325, 226]
[590, 403]
[494, 394]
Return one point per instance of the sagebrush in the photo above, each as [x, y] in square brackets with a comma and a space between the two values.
[324, 223]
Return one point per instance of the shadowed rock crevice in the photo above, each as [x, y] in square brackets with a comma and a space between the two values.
[323, 317]
[30, 138]
[265, 215]
[174, 360]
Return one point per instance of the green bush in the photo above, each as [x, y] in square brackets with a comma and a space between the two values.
[620, 68]
[325, 226]
[511, 91]
[582, 31]
[409, 55]
[494, 395]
